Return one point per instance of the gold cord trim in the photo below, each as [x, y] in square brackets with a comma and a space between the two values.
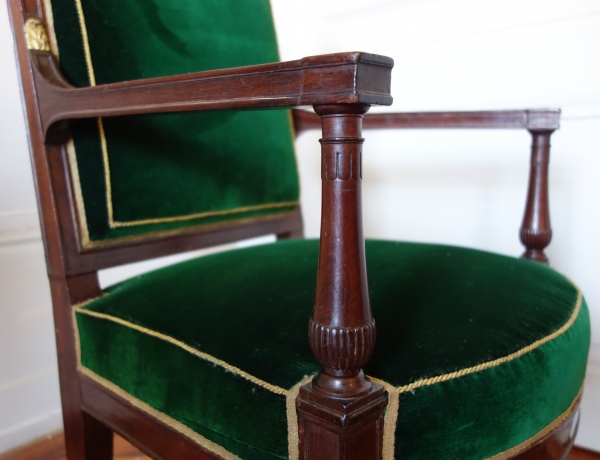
[180, 231]
[292, 419]
[76, 181]
[505, 359]
[390, 418]
[86, 43]
[540, 434]
[178, 426]
[204, 214]
[273, 388]
[36, 36]
[107, 180]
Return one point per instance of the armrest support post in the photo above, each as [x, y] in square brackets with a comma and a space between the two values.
[536, 231]
[341, 401]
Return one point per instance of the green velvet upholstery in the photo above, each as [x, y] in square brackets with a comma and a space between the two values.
[168, 172]
[215, 342]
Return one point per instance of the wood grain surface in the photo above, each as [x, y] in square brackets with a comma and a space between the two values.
[52, 447]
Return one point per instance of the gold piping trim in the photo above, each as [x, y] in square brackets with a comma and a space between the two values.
[86, 44]
[292, 419]
[76, 181]
[180, 231]
[204, 214]
[74, 310]
[273, 388]
[505, 359]
[390, 418]
[540, 434]
[107, 180]
[207, 444]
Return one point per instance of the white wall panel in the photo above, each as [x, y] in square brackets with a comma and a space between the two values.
[29, 398]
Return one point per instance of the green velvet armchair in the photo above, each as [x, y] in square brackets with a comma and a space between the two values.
[161, 126]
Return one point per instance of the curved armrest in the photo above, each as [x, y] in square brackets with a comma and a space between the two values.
[533, 120]
[340, 78]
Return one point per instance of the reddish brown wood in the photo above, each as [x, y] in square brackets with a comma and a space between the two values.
[334, 78]
[52, 447]
[86, 438]
[342, 329]
[150, 435]
[341, 411]
[540, 119]
[536, 231]
[340, 428]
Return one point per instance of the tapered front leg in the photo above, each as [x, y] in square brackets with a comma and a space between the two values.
[341, 411]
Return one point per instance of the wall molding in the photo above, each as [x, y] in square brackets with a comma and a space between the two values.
[30, 430]
[19, 226]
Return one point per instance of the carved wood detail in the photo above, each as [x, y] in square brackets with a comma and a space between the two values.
[342, 324]
[342, 348]
[536, 232]
[341, 411]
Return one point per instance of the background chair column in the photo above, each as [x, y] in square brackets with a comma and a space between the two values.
[536, 231]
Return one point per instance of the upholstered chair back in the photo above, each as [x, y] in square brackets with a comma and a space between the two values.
[140, 175]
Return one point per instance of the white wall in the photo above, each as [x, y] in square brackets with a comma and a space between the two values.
[454, 187]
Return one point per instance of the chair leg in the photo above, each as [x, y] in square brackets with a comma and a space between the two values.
[85, 437]
[341, 411]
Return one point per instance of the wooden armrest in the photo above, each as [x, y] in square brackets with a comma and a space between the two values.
[341, 78]
[533, 120]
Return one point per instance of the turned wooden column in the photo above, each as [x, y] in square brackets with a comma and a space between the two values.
[341, 411]
[536, 232]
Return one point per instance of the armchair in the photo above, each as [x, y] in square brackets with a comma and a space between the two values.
[141, 149]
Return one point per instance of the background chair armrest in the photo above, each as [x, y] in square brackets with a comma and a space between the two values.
[533, 120]
[536, 231]
[342, 78]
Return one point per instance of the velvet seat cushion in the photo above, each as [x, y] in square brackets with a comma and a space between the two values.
[484, 351]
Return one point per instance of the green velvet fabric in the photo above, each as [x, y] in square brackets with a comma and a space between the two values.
[438, 309]
[164, 170]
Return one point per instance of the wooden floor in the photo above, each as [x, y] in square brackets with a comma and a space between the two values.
[52, 448]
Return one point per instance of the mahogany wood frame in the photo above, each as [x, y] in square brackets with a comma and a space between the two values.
[535, 232]
[340, 413]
